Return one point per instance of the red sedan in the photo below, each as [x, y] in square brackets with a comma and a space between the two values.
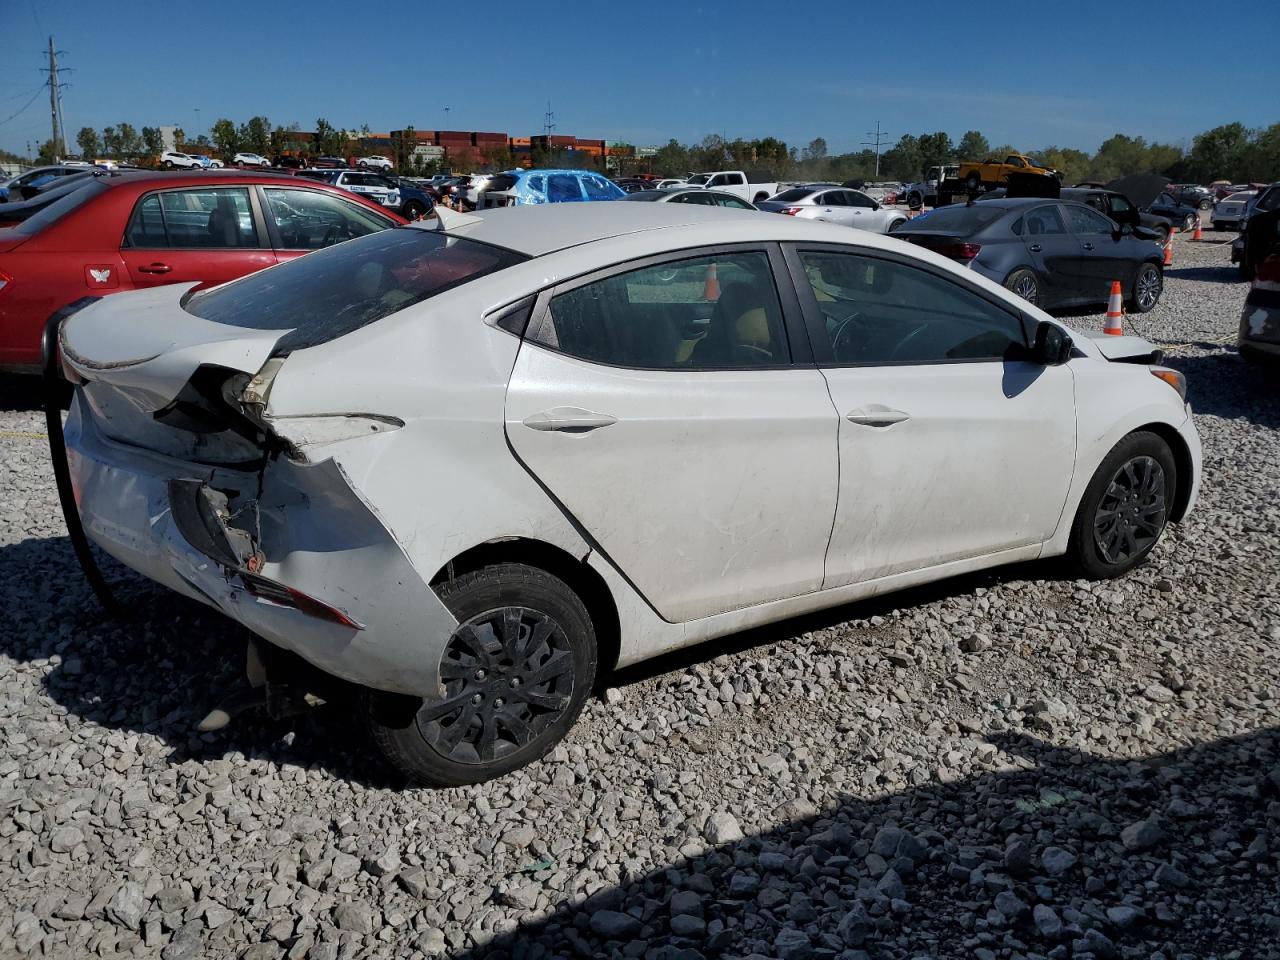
[138, 230]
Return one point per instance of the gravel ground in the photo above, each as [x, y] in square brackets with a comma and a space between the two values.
[1005, 765]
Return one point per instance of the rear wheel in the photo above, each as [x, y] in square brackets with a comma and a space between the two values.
[413, 210]
[1188, 222]
[1206, 203]
[1147, 287]
[973, 181]
[1025, 284]
[1124, 509]
[515, 674]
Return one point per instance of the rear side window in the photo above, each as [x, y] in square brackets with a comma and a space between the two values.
[332, 292]
[193, 220]
[563, 188]
[598, 188]
[659, 317]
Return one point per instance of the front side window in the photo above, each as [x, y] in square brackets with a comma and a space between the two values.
[326, 295]
[832, 198]
[598, 189]
[197, 219]
[312, 220]
[659, 317]
[703, 197]
[857, 199]
[1084, 220]
[884, 312]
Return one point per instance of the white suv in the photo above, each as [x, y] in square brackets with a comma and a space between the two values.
[375, 163]
[250, 160]
[172, 158]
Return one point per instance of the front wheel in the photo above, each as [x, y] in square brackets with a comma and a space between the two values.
[973, 181]
[1147, 286]
[1124, 509]
[413, 210]
[168, 164]
[1025, 284]
[1206, 203]
[515, 675]
[1188, 223]
[894, 225]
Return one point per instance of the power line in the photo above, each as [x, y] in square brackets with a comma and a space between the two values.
[14, 116]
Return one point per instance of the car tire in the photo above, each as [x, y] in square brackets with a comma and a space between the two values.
[973, 181]
[1188, 223]
[894, 225]
[1124, 509]
[413, 210]
[1148, 281]
[1206, 203]
[414, 737]
[1025, 284]
[167, 164]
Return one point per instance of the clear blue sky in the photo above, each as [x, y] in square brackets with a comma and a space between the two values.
[1027, 74]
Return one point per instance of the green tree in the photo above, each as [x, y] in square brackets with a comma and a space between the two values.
[48, 153]
[110, 142]
[403, 147]
[904, 159]
[711, 154]
[1219, 154]
[89, 142]
[226, 139]
[179, 138]
[1072, 164]
[1261, 159]
[973, 146]
[326, 141]
[935, 150]
[153, 142]
[672, 160]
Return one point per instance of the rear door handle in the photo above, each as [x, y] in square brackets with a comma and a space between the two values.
[1088, 246]
[568, 420]
[1036, 248]
[877, 418]
[155, 268]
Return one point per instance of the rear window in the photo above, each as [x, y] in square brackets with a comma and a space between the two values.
[330, 293]
[59, 209]
[789, 196]
[503, 181]
[963, 219]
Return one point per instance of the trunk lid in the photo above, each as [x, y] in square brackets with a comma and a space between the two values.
[157, 377]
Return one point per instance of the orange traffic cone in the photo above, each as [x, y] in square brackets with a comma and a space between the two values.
[1115, 311]
[1198, 235]
[711, 290]
[1168, 247]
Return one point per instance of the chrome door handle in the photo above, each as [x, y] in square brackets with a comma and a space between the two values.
[1036, 248]
[877, 418]
[1088, 246]
[568, 420]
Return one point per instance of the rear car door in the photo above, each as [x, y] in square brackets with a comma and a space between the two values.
[1053, 251]
[678, 431]
[300, 220]
[953, 445]
[206, 234]
[1105, 253]
[833, 208]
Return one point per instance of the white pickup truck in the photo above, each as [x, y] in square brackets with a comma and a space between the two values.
[751, 187]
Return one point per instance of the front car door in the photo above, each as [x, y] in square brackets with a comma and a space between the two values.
[300, 220]
[1105, 251]
[208, 234]
[671, 420]
[863, 209]
[953, 445]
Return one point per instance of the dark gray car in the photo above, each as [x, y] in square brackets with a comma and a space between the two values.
[1052, 253]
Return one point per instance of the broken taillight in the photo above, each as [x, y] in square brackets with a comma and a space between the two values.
[285, 596]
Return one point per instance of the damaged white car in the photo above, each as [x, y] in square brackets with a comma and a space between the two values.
[472, 469]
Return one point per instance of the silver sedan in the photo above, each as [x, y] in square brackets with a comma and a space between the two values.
[832, 203]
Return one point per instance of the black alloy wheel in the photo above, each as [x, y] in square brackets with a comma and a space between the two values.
[508, 676]
[1147, 287]
[1131, 514]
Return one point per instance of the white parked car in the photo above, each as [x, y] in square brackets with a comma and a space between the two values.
[172, 159]
[245, 159]
[1229, 213]
[671, 184]
[750, 186]
[375, 163]
[472, 470]
[832, 203]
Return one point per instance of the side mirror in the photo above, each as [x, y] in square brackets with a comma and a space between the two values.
[1052, 344]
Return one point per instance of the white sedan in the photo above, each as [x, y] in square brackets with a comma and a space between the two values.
[471, 467]
[832, 203]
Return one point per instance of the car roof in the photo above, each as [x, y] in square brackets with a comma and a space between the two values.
[539, 229]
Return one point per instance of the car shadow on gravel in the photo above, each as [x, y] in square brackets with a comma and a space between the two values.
[1076, 855]
[159, 671]
[1224, 384]
[1223, 274]
[19, 393]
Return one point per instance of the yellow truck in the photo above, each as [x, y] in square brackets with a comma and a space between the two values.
[993, 172]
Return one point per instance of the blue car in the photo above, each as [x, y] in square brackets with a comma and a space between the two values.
[520, 187]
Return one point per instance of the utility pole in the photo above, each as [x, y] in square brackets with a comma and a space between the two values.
[878, 139]
[55, 103]
[548, 122]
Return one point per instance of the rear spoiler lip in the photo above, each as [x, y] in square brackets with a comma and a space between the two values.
[84, 363]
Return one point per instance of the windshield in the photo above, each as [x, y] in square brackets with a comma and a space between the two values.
[962, 220]
[330, 293]
[55, 211]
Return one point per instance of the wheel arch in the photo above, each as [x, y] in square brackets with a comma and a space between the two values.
[1181, 460]
[578, 575]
